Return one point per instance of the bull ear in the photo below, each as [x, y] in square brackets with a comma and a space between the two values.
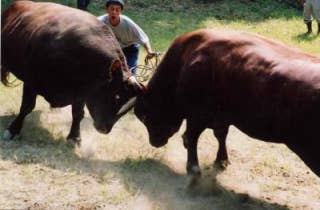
[116, 66]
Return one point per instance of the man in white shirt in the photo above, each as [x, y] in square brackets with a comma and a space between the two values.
[127, 32]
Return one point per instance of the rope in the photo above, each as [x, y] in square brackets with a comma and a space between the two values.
[144, 72]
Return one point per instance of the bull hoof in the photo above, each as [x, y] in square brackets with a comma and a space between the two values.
[7, 135]
[192, 182]
[222, 164]
[74, 141]
[194, 171]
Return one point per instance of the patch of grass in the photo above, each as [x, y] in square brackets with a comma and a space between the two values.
[268, 18]
[164, 20]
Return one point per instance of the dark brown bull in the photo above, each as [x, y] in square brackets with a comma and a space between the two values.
[215, 79]
[67, 56]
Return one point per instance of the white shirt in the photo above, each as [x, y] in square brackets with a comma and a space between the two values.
[127, 32]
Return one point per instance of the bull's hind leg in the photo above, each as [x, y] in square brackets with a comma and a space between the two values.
[27, 105]
[190, 141]
[77, 115]
[220, 132]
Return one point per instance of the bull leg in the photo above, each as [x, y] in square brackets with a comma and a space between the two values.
[222, 155]
[27, 105]
[190, 141]
[77, 116]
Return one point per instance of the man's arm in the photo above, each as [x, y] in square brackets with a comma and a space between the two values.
[150, 53]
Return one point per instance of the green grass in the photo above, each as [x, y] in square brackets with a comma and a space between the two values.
[164, 20]
[278, 21]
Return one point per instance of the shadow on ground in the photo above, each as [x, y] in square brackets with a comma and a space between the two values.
[306, 37]
[149, 177]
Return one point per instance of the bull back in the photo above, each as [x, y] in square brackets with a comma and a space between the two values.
[265, 88]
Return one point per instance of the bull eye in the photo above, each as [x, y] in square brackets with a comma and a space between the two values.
[116, 99]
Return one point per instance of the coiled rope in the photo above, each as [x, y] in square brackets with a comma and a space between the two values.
[144, 72]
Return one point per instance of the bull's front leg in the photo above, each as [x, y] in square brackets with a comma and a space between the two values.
[190, 141]
[74, 136]
[220, 133]
[27, 105]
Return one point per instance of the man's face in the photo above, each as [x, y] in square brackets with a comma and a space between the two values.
[114, 11]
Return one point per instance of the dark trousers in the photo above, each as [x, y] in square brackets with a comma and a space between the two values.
[83, 4]
[132, 53]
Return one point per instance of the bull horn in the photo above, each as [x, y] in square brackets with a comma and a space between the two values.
[127, 106]
[132, 80]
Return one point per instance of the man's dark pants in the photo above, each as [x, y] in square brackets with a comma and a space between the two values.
[132, 53]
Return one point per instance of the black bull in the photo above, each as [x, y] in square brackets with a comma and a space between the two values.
[67, 56]
[215, 79]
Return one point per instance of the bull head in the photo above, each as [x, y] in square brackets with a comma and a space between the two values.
[162, 120]
[115, 98]
[131, 84]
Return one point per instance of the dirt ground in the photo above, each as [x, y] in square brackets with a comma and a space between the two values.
[38, 170]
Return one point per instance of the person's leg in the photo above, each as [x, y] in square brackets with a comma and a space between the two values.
[132, 53]
[316, 13]
[83, 4]
[307, 11]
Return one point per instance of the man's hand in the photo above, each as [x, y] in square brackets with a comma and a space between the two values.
[150, 56]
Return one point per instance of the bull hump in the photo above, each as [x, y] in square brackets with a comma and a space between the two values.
[61, 32]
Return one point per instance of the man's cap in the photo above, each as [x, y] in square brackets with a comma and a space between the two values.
[118, 2]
